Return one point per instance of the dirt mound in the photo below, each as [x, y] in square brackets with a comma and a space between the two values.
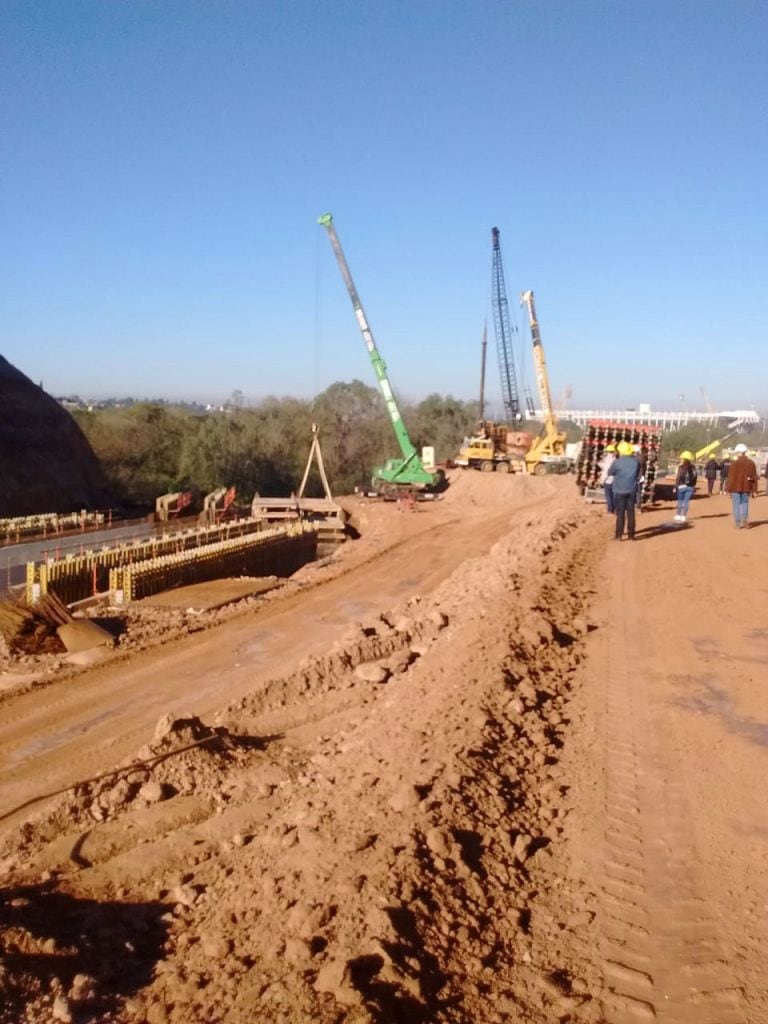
[382, 847]
[46, 464]
[447, 780]
[185, 757]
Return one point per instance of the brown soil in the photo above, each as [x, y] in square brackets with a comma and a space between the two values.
[482, 765]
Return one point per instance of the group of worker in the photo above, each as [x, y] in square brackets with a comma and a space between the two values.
[622, 476]
[738, 477]
[714, 471]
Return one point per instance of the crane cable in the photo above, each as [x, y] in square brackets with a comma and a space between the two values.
[318, 320]
[521, 363]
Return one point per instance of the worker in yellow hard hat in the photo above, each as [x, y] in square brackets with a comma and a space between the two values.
[637, 451]
[626, 473]
[685, 482]
[607, 460]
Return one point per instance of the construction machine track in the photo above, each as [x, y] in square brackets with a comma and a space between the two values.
[663, 955]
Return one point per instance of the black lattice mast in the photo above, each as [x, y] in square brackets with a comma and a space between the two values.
[503, 332]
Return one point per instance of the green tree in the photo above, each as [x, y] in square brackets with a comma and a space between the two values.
[355, 433]
[442, 423]
[137, 447]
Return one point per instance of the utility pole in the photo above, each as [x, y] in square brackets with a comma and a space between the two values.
[482, 370]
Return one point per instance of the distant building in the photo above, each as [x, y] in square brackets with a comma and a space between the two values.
[668, 420]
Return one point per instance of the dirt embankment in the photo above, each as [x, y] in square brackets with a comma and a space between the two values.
[366, 838]
[489, 766]
[46, 464]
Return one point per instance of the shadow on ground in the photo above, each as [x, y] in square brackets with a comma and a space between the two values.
[712, 698]
[661, 530]
[48, 937]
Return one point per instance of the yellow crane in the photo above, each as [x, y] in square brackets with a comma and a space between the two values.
[708, 448]
[549, 447]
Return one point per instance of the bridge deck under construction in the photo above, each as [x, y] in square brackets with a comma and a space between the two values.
[326, 515]
[293, 508]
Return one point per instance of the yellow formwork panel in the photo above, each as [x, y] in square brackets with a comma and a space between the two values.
[154, 575]
[145, 565]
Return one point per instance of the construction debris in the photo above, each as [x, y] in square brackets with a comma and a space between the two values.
[47, 627]
[33, 628]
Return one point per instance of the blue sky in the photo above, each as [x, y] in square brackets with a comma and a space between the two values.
[165, 164]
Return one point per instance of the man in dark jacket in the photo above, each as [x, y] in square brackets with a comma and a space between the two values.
[742, 484]
[625, 472]
[710, 473]
[725, 465]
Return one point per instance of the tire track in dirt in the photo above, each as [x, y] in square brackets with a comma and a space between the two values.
[662, 955]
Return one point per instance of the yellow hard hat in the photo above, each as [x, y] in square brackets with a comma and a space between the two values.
[610, 447]
[686, 455]
[625, 448]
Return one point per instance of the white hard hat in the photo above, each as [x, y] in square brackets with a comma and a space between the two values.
[741, 449]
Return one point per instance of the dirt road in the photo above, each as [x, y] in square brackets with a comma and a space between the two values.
[677, 698]
[53, 737]
[492, 766]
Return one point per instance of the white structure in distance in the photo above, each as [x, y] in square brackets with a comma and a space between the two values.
[667, 420]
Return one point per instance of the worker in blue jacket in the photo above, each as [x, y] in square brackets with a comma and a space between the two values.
[625, 473]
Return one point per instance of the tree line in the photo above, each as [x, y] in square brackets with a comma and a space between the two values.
[151, 448]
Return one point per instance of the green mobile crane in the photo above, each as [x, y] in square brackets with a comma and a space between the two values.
[408, 472]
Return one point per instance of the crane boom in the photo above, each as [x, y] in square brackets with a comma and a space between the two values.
[408, 471]
[708, 448]
[503, 333]
[552, 442]
[540, 364]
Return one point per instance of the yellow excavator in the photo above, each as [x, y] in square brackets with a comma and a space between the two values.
[547, 453]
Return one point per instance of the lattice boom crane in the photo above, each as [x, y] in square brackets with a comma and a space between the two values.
[503, 332]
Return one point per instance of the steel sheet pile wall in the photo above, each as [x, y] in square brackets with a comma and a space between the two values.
[600, 433]
[279, 551]
[77, 577]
